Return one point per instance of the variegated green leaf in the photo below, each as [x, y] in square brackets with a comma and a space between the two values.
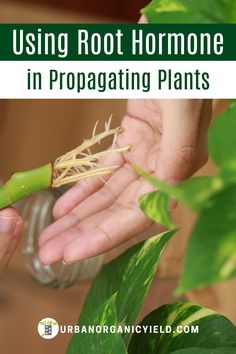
[193, 193]
[222, 139]
[214, 330]
[155, 205]
[211, 251]
[130, 276]
[102, 343]
[191, 11]
[221, 350]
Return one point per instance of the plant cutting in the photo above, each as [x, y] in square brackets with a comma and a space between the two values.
[79, 163]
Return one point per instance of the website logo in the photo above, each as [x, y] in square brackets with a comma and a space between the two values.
[48, 328]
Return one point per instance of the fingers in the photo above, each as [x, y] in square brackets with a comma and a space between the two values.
[11, 226]
[179, 147]
[108, 194]
[100, 232]
[84, 188]
[219, 106]
[76, 194]
[107, 235]
[98, 201]
[143, 19]
[206, 116]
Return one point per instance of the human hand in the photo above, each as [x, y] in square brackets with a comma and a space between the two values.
[11, 226]
[168, 138]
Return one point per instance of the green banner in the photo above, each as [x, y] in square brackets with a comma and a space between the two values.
[117, 42]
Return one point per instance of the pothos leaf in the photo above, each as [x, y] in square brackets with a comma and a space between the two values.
[130, 276]
[212, 331]
[102, 343]
[221, 139]
[193, 193]
[155, 206]
[211, 252]
[191, 11]
[221, 350]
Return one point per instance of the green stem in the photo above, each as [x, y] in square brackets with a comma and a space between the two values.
[23, 184]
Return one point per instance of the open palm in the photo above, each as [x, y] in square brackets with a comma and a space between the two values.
[168, 139]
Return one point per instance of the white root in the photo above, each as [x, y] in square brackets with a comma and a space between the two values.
[81, 163]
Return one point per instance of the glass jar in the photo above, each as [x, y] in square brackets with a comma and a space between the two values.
[37, 213]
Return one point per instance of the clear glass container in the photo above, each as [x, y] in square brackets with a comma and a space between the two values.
[37, 213]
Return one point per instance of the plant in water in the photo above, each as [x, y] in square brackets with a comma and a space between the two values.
[75, 165]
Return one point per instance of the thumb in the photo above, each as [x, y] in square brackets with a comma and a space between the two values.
[182, 145]
[11, 226]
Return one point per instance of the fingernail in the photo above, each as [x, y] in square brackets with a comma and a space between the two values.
[7, 224]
